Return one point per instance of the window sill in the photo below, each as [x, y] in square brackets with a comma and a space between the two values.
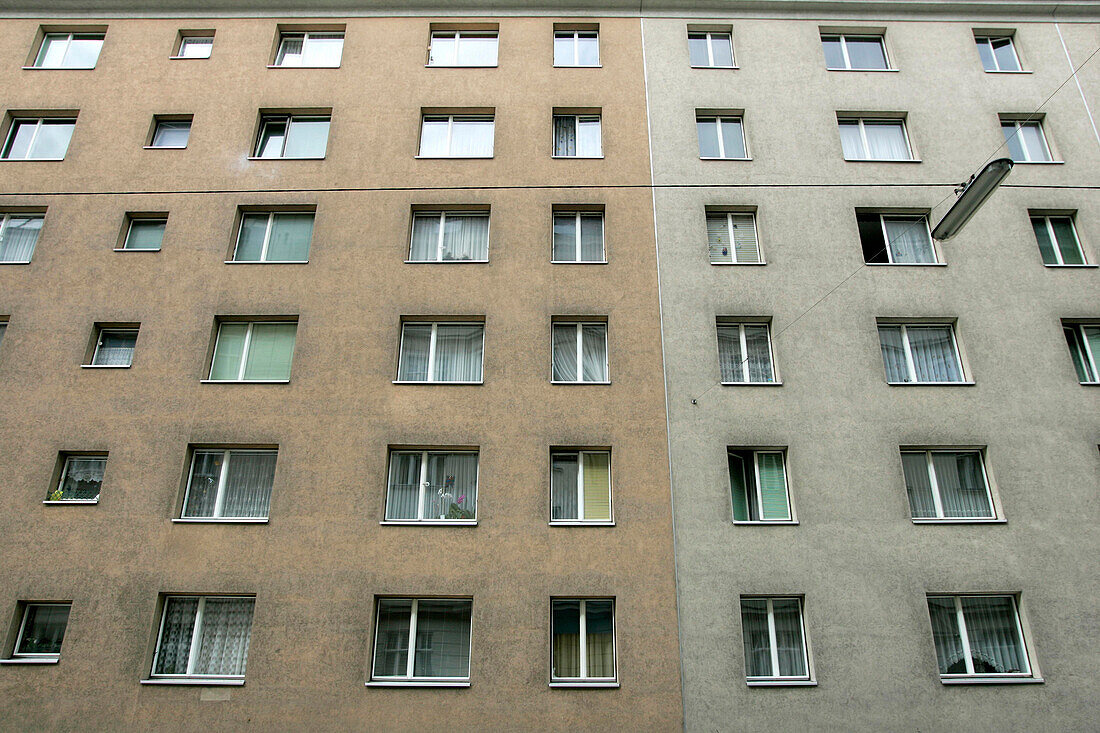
[284, 66]
[188, 58]
[581, 684]
[906, 264]
[58, 68]
[204, 681]
[461, 66]
[723, 68]
[1089, 384]
[134, 249]
[105, 366]
[429, 522]
[577, 157]
[781, 683]
[1039, 162]
[78, 502]
[266, 262]
[991, 680]
[777, 383]
[31, 660]
[16, 262]
[418, 683]
[446, 262]
[244, 381]
[453, 157]
[578, 66]
[703, 157]
[578, 262]
[164, 147]
[402, 381]
[579, 384]
[579, 523]
[735, 264]
[960, 520]
[1007, 71]
[220, 520]
[765, 523]
[32, 160]
[1044, 265]
[873, 71]
[883, 160]
[305, 157]
[931, 384]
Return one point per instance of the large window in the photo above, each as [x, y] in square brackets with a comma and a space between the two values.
[144, 232]
[1058, 242]
[874, 139]
[710, 49]
[578, 236]
[114, 347]
[1026, 141]
[229, 484]
[580, 486]
[582, 648]
[1084, 348]
[998, 53]
[577, 136]
[422, 640]
[81, 478]
[745, 353]
[463, 48]
[203, 637]
[292, 136]
[577, 47]
[721, 137]
[69, 51]
[920, 353]
[775, 640]
[253, 351]
[758, 485]
[579, 352]
[42, 138]
[450, 236]
[978, 636]
[432, 486]
[441, 352]
[731, 238]
[18, 235]
[310, 49]
[845, 52]
[895, 239]
[41, 631]
[946, 484]
[274, 236]
[456, 136]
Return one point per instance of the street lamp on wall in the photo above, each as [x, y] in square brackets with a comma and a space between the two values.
[973, 195]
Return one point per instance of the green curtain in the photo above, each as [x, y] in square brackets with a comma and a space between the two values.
[227, 355]
[737, 487]
[773, 487]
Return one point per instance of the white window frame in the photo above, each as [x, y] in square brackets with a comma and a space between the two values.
[988, 41]
[267, 238]
[1038, 124]
[451, 119]
[244, 355]
[580, 351]
[711, 36]
[439, 238]
[587, 117]
[862, 121]
[223, 477]
[197, 39]
[305, 36]
[424, 484]
[756, 453]
[584, 680]
[730, 229]
[157, 123]
[65, 472]
[100, 333]
[288, 120]
[578, 216]
[410, 678]
[847, 59]
[431, 353]
[129, 228]
[6, 217]
[36, 656]
[580, 453]
[1059, 262]
[68, 42]
[718, 120]
[740, 325]
[886, 238]
[18, 122]
[1092, 360]
[575, 35]
[910, 368]
[774, 643]
[457, 36]
[964, 639]
[196, 636]
[937, 500]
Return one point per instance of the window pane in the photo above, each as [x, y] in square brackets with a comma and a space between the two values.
[391, 643]
[452, 486]
[566, 632]
[745, 246]
[175, 636]
[730, 358]
[588, 49]
[718, 239]
[773, 487]
[945, 636]
[19, 139]
[115, 348]
[733, 139]
[425, 238]
[866, 52]
[988, 61]
[458, 352]
[226, 630]
[290, 238]
[196, 48]
[442, 639]
[1077, 352]
[588, 137]
[83, 52]
[307, 138]
[565, 352]
[229, 351]
[290, 51]
[741, 485]
[442, 52]
[52, 53]
[272, 137]
[83, 479]
[43, 629]
[918, 485]
[563, 49]
[963, 492]
[1068, 245]
[145, 234]
[722, 49]
[565, 135]
[465, 237]
[53, 139]
[18, 237]
[565, 238]
[592, 238]
[933, 354]
[834, 55]
[433, 137]
[893, 353]
[172, 134]
[597, 486]
[563, 486]
[1031, 135]
[754, 629]
[323, 50]
[594, 352]
[248, 484]
[270, 351]
[851, 141]
[477, 51]
[600, 638]
[1014, 142]
[760, 359]
[995, 643]
[202, 489]
[1092, 335]
[788, 637]
[403, 499]
[415, 342]
[1005, 54]
[472, 139]
[908, 239]
[250, 243]
[886, 141]
[697, 49]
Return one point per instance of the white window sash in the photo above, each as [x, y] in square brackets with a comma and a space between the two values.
[1087, 353]
[580, 350]
[774, 644]
[575, 43]
[937, 500]
[911, 368]
[244, 348]
[196, 636]
[583, 640]
[410, 661]
[1056, 243]
[964, 638]
[847, 59]
[1018, 126]
[22, 629]
[988, 41]
[34, 135]
[889, 248]
[867, 145]
[46, 41]
[721, 143]
[431, 346]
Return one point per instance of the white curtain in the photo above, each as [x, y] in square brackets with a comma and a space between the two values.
[472, 139]
[994, 640]
[477, 50]
[433, 137]
[729, 354]
[403, 501]
[202, 491]
[592, 238]
[290, 51]
[175, 638]
[452, 486]
[425, 238]
[962, 484]
[465, 237]
[248, 484]
[788, 637]
[886, 141]
[718, 239]
[851, 141]
[565, 352]
[599, 638]
[565, 135]
[893, 353]
[226, 630]
[18, 237]
[83, 478]
[707, 129]
[933, 354]
[918, 485]
[306, 138]
[589, 143]
[563, 486]
[594, 352]
[415, 343]
[945, 636]
[908, 239]
[458, 352]
[754, 628]
[760, 361]
[442, 638]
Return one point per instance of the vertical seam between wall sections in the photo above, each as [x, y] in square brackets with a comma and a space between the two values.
[664, 373]
[1077, 81]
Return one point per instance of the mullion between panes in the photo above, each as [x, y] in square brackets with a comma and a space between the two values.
[772, 640]
[196, 632]
[576, 49]
[439, 239]
[721, 143]
[1054, 244]
[411, 660]
[937, 502]
[580, 353]
[34, 138]
[964, 638]
[450, 130]
[422, 489]
[886, 238]
[22, 629]
[580, 486]
[267, 230]
[710, 50]
[730, 229]
[744, 365]
[219, 498]
[759, 493]
[909, 366]
[68, 45]
[1087, 351]
[863, 139]
[583, 638]
[244, 351]
[577, 237]
[431, 353]
[844, 51]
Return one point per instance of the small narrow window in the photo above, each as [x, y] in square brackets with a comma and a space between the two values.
[450, 236]
[580, 486]
[582, 640]
[274, 236]
[463, 48]
[576, 48]
[895, 239]
[578, 236]
[18, 236]
[758, 484]
[721, 137]
[432, 486]
[874, 139]
[313, 50]
[456, 136]
[775, 639]
[731, 238]
[293, 136]
[144, 232]
[577, 136]
[745, 353]
[580, 352]
[422, 640]
[1084, 349]
[1026, 141]
[114, 347]
[441, 352]
[195, 47]
[41, 631]
[171, 133]
[81, 478]
[978, 636]
[45, 138]
[998, 53]
[253, 351]
[920, 354]
[711, 50]
[203, 637]
[854, 53]
[229, 484]
[1058, 242]
[947, 484]
[69, 51]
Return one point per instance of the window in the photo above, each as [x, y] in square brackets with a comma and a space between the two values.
[775, 640]
[69, 51]
[580, 352]
[920, 353]
[1057, 238]
[41, 631]
[577, 136]
[274, 236]
[3, 329]
[170, 133]
[576, 47]
[144, 232]
[731, 238]
[203, 637]
[978, 636]
[18, 235]
[432, 486]
[758, 485]
[578, 236]
[45, 138]
[1026, 141]
[310, 49]
[854, 53]
[463, 48]
[871, 139]
[998, 53]
[895, 239]
[441, 352]
[721, 137]
[422, 640]
[293, 136]
[450, 236]
[711, 50]
[456, 136]
[1084, 348]
[745, 353]
[582, 649]
[114, 347]
[944, 484]
[195, 46]
[253, 351]
[229, 484]
[81, 478]
[580, 486]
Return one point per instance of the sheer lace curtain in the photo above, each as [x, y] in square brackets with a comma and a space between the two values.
[403, 501]
[788, 637]
[594, 352]
[908, 240]
[565, 135]
[458, 352]
[416, 341]
[760, 362]
[933, 352]
[18, 236]
[563, 486]
[248, 484]
[175, 636]
[754, 631]
[886, 141]
[442, 638]
[465, 237]
[472, 139]
[991, 627]
[962, 484]
[918, 485]
[565, 352]
[452, 486]
[729, 354]
[893, 353]
[226, 632]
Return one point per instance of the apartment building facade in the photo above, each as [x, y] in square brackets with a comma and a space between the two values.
[494, 368]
